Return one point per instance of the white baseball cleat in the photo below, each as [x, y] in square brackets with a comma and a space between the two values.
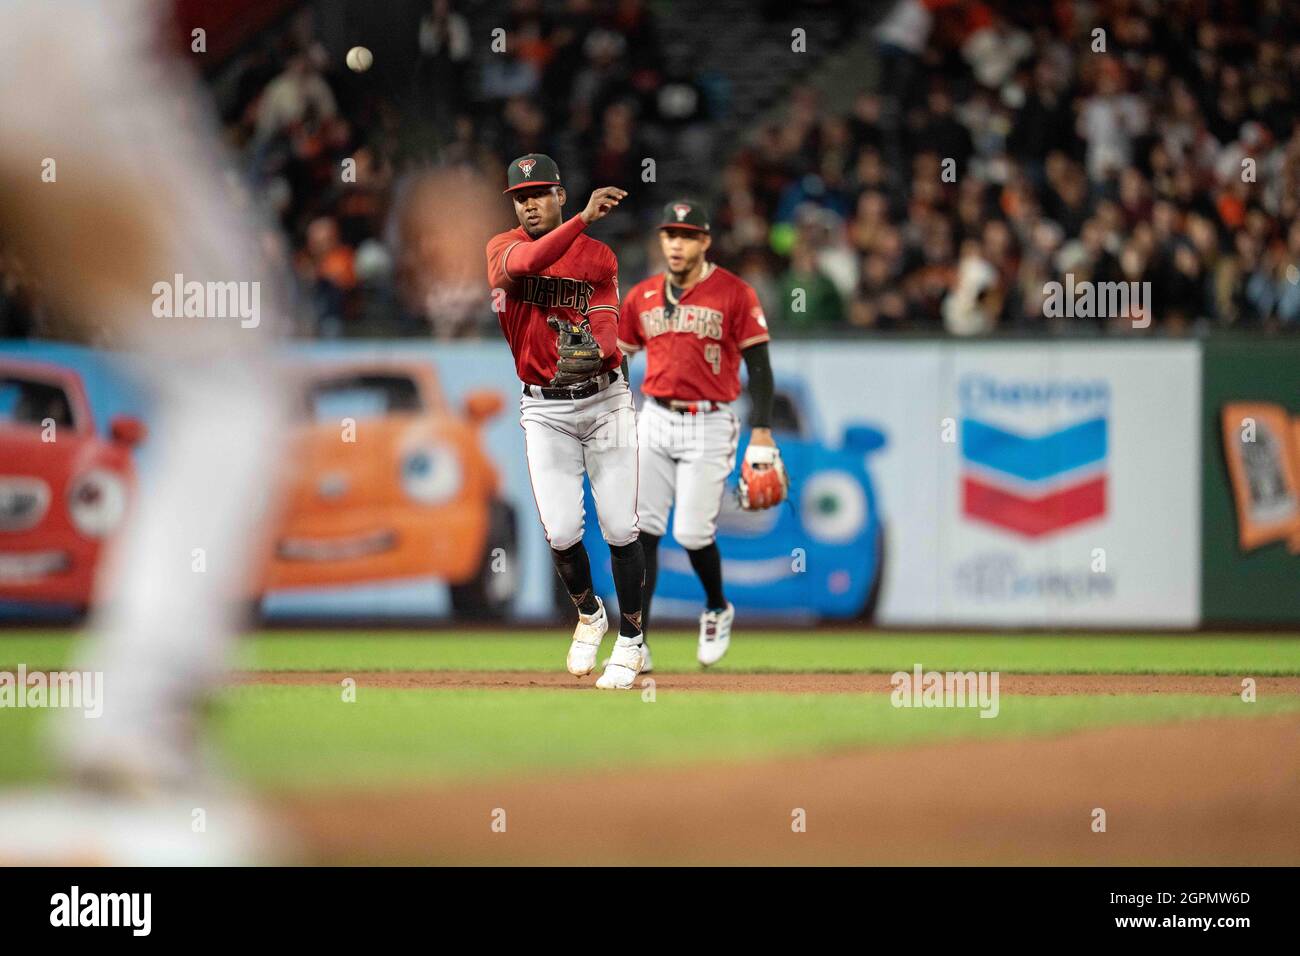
[623, 665]
[586, 641]
[646, 666]
[715, 634]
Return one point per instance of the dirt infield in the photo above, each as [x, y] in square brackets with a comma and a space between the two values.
[1028, 684]
[1219, 792]
[1204, 792]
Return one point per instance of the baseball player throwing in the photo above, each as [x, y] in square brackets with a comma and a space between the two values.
[694, 323]
[560, 317]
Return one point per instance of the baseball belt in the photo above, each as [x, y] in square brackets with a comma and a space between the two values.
[687, 408]
[573, 392]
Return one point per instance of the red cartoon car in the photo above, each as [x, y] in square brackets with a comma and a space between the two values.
[64, 489]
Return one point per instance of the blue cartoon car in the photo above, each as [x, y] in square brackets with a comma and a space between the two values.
[818, 555]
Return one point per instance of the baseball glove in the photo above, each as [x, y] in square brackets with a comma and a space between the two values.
[763, 481]
[579, 352]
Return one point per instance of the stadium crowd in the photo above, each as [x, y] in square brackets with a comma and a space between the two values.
[1113, 142]
[999, 147]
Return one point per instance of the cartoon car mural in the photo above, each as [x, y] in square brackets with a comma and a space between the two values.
[390, 482]
[64, 488]
[821, 553]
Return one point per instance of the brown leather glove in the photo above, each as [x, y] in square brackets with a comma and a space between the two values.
[579, 352]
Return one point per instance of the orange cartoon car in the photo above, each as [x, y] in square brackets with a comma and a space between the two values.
[64, 489]
[389, 482]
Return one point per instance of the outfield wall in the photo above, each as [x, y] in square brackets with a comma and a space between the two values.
[1020, 484]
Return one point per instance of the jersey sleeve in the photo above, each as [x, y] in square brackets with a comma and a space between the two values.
[510, 257]
[630, 338]
[749, 324]
[497, 249]
[602, 311]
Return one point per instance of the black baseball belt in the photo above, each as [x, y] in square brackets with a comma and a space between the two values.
[569, 393]
[692, 407]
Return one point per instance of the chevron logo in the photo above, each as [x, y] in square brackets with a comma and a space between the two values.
[1033, 485]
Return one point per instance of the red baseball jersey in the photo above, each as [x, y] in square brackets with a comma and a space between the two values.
[581, 282]
[695, 354]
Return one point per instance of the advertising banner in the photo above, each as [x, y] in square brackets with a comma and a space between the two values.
[1251, 481]
[932, 483]
[1070, 496]
[407, 491]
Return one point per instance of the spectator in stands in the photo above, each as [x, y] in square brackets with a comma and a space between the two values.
[445, 48]
[289, 99]
[901, 39]
[326, 267]
[809, 299]
[1109, 121]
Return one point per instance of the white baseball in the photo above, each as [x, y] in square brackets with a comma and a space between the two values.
[360, 59]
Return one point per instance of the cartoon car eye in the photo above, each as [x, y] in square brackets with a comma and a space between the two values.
[431, 474]
[833, 506]
[97, 502]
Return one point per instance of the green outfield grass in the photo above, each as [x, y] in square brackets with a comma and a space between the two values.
[1229, 654]
[293, 738]
[290, 737]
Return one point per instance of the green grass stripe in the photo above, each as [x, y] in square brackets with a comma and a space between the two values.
[307, 737]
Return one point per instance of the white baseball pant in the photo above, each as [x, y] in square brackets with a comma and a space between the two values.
[687, 458]
[595, 436]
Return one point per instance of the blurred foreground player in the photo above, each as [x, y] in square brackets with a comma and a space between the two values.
[137, 198]
[695, 323]
[560, 315]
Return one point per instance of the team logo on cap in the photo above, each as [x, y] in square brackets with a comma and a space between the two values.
[681, 209]
[527, 166]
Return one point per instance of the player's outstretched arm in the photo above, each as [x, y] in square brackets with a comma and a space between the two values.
[529, 258]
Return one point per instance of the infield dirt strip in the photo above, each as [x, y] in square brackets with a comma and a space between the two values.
[785, 683]
[1201, 792]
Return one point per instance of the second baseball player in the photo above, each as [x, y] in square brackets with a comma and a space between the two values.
[695, 322]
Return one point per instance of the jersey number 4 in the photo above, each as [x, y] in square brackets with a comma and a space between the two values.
[713, 355]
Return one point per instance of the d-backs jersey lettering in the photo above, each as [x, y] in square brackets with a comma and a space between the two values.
[693, 349]
[582, 282]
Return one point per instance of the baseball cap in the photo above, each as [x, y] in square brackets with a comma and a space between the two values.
[684, 214]
[535, 169]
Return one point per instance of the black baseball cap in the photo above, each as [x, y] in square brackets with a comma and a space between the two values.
[535, 169]
[685, 214]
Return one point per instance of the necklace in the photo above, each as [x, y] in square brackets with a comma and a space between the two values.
[668, 284]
